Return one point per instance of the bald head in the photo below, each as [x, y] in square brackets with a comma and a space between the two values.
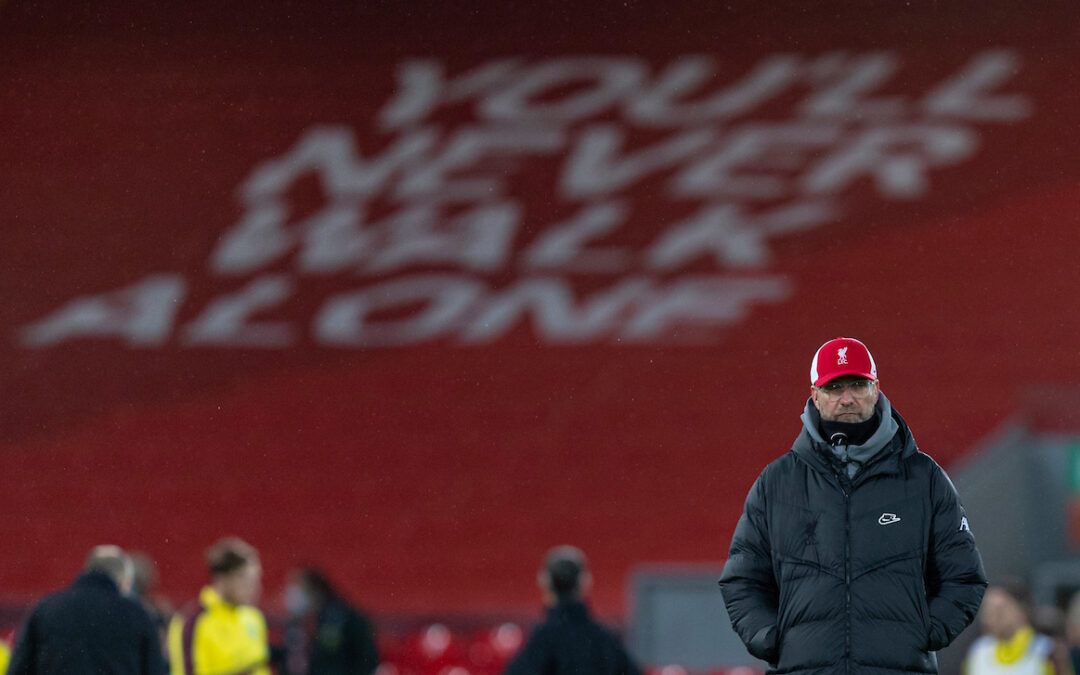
[112, 561]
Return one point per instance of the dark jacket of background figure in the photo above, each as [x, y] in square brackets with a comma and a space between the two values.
[88, 628]
[864, 575]
[342, 642]
[570, 642]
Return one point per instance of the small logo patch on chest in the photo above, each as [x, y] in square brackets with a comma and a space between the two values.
[888, 519]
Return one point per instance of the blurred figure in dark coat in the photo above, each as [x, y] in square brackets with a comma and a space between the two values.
[91, 626]
[326, 635]
[569, 641]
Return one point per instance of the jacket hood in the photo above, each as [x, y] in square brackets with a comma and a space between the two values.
[811, 445]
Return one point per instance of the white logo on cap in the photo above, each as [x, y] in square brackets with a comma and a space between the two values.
[841, 356]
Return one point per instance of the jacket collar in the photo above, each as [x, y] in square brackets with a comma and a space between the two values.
[810, 447]
[866, 451]
[97, 580]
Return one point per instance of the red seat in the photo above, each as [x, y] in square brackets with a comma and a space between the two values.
[492, 648]
[430, 651]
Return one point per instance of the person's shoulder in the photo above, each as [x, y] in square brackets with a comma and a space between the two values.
[783, 462]
[189, 609]
[135, 613]
[981, 643]
[923, 464]
[923, 461]
[251, 614]
[774, 476]
[780, 468]
[60, 599]
[927, 467]
[608, 631]
[355, 615]
[189, 617]
[46, 605]
[543, 632]
[609, 635]
[581, 628]
[55, 597]
[337, 612]
[591, 622]
[924, 470]
[132, 606]
[1043, 644]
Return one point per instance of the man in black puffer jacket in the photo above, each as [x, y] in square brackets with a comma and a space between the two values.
[853, 553]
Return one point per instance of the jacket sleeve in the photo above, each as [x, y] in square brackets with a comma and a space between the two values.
[955, 580]
[747, 581]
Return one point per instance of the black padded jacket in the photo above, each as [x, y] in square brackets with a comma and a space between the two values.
[866, 575]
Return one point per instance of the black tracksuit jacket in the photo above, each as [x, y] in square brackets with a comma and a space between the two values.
[867, 575]
[90, 629]
[570, 642]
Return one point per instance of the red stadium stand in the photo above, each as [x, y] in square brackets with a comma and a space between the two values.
[415, 296]
[491, 648]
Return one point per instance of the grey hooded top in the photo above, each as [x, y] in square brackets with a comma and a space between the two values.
[854, 457]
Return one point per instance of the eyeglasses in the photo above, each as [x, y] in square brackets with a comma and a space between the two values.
[857, 388]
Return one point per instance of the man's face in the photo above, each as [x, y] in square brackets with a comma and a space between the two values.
[849, 398]
[242, 587]
[298, 595]
[1001, 615]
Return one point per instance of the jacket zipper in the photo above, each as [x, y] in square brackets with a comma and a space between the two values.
[847, 579]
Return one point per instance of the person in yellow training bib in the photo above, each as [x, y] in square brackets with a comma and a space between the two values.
[1009, 644]
[223, 633]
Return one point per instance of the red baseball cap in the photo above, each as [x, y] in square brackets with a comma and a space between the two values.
[841, 356]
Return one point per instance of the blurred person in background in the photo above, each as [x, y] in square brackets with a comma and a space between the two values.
[569, 641]
[223, 633]
[91, 626]
[1010, 644]
[1072, 631]
[853, 552]
[1049, 620]
[325, 635]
